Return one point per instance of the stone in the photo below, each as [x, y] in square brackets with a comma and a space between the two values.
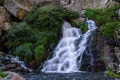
[4, 17]
[78, 5]
[13, 76]
[106, 57]
[6, 26]
[1, 53]
[12, 65]
[3, 67]
[18, 8]
[80, 19]
[45, 2]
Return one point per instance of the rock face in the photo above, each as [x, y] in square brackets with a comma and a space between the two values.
[4, 18]
[79, 5]
[45, 2]
[19, 8]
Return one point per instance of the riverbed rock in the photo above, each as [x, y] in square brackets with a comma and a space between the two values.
[18, 8]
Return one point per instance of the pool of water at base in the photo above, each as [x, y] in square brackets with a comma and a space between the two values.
[68, 76]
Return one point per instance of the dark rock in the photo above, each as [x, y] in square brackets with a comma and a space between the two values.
[1, 2]
[12, 65]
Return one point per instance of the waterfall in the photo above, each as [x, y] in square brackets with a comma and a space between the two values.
[67, 56]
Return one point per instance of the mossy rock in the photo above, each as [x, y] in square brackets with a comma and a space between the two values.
[21, 13]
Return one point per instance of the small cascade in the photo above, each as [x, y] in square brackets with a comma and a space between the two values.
[67, 56]
[16, 59]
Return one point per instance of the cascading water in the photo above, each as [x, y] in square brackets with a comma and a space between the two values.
[67, 56]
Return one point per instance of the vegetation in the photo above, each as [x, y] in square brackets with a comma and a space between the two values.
[112, 74]
[117, 1]
[38, 33]
[2, 74]
[106, 19]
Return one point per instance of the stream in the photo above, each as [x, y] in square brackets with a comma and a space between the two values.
[68, 76]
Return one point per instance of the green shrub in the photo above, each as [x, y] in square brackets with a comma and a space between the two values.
[49, 17]
[39, 53]
[117, 1]
[18, 34]
[108, 29]
[106, 19]
[83, 27]
[24, 51]
[112, 74]
[2, 74]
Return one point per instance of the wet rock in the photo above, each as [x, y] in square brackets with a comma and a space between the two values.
[19, 8]
[12, 65]
[2, 67]
[19, 68]
[13, 76]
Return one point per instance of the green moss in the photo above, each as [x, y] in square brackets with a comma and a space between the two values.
[112, 74]
[2, 74]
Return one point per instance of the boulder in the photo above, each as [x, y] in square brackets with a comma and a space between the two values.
[4, 17]
[18, 8]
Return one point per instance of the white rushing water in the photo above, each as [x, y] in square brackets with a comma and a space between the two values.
[67, 56]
